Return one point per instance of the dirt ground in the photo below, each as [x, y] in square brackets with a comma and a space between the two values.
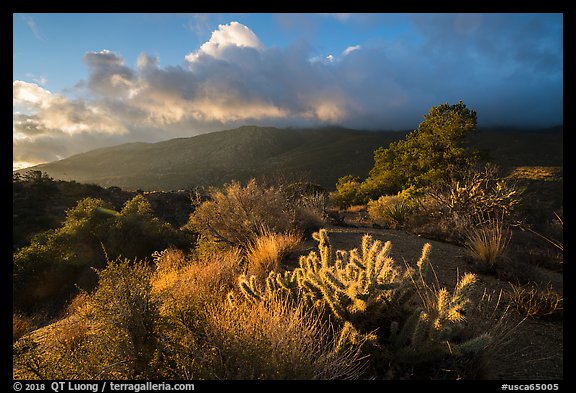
[529, 349]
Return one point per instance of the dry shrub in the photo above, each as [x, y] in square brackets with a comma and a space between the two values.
[204, 280]
[490, 314]
[169, 259]
[168, 263]
[139, 322]
[450, 207]
[477, 191]
[78, 303]
[185, 292]
[309, 219]
[277, 340]
[21, 324]
[356, 209]
[71, 332]
[310, 212]
[533, 302]
[410, 325]
[265, 253]
[236, 214]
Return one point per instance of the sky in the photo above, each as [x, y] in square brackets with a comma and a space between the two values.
[84, 81]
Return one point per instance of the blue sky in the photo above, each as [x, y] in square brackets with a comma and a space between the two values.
[83, 81]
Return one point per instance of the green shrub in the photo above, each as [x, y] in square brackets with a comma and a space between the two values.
[389, 210]
[137, 233]
[123, 312]
[426, 155]
[47, 271]
[347, 192]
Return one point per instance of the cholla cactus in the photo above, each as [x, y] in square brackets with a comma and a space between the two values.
[348, 282]
[429, 332]
[362, 285]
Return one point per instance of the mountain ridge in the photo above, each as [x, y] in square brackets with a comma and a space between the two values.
[319, 155]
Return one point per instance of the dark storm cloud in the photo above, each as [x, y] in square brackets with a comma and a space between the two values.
[108, 74]
[506, 67]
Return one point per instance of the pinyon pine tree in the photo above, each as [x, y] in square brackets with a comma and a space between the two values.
[425, 156]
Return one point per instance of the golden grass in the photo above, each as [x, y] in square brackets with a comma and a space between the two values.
[356, 209]
[277, 340]
[265, 253]
[206, 278]
[168, 263]
[545, 173]
[532, 302]
[487, 242]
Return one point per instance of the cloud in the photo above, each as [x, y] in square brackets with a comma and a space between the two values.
[40, 80]
[30, 95]
[49, 113]
[508, 70]
[108, 74]
[232, 35]
[33, 27]
[350, 49]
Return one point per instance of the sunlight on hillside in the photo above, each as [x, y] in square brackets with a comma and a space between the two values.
[545, 173]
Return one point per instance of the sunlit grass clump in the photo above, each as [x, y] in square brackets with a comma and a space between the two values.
[487, 242]
[265, 253]
[532, 302]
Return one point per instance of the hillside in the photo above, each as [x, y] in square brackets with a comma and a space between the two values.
[317, 155]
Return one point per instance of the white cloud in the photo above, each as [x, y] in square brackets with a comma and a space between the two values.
[48, 113]
[350, 49]
[232, 35]
[199, 24]
[30, 95]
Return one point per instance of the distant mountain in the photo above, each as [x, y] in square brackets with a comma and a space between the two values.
[317, 155]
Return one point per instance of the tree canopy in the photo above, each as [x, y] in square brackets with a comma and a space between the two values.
[425, 156]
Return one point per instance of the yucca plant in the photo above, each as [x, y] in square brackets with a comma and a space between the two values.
[390, 210]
